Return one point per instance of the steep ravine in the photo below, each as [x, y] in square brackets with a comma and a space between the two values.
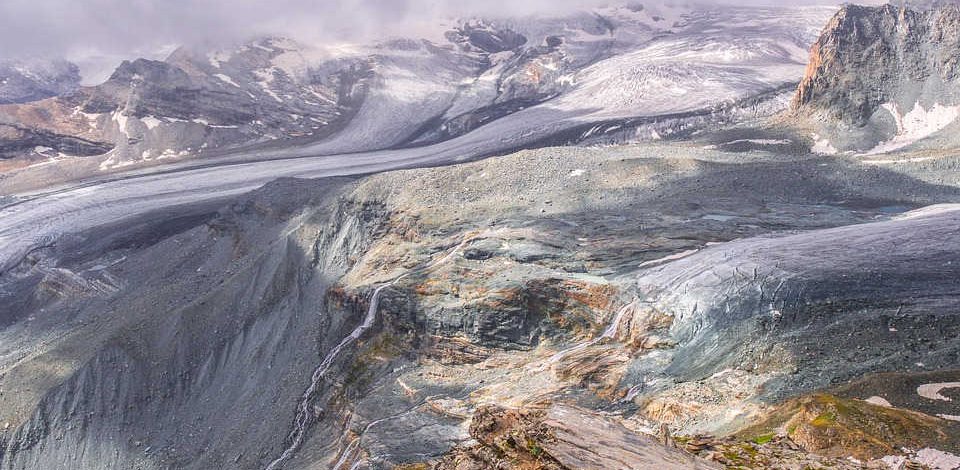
[184, 386]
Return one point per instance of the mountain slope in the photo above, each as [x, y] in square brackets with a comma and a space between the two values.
[882, 78]
[32, 80]
[513, 81]
[512, 281]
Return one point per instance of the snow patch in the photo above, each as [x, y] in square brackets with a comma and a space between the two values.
[49, 161]
[219, 57]
[665, 259]
[151, 122]
[92, 118]
[760, 141]
[894, 461]
[879, 401]
[121, 120]
[226, 79]
[890, 161]
[938, 459]
[935, 209]
[113, 161]
[822, 146]
[265, 79]
[204, 122]
[917, 124]
[932, 391]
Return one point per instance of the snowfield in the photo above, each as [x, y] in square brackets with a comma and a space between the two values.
[917, 124]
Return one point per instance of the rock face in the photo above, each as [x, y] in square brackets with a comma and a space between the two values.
[873, 68]
[561, 437]
[23, 81]
[227, 344]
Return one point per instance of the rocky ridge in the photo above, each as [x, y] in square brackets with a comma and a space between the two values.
[881, 78]
[31, 80]
[619, 73]
[678, 304]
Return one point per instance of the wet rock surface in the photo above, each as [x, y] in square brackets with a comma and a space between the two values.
[561, 437]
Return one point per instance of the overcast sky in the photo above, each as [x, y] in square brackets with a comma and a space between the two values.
[98, 32]
[53, 26]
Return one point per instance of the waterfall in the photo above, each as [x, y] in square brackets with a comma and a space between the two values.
[302, 421]
[610, 332]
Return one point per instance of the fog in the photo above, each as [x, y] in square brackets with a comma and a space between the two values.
[98, 33]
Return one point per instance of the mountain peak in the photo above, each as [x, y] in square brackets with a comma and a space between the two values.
[870, 59]
[30, 80]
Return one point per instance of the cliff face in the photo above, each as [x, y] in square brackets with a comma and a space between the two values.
[872, 64]
[170, 377]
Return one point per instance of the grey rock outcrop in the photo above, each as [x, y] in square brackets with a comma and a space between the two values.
[874, 64]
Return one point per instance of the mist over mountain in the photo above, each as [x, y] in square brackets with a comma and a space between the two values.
[79, 32]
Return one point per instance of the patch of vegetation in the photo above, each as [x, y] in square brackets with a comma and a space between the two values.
[733, 457]
[824, 419]
[763, 438]
[413, 466]
[534, 448]
[838, 427]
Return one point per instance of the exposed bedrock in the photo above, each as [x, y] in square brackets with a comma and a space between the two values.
[884, 75]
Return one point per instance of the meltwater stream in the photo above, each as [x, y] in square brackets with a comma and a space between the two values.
[610, 332]
[303, 410]
[302, 420]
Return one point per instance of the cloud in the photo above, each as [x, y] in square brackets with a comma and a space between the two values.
[96, 33]
[30, 27]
